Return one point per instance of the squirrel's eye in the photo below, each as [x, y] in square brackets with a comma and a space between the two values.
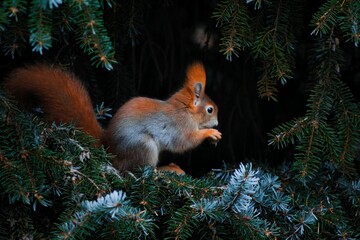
[210, 109]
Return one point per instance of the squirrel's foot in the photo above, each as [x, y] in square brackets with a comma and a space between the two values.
[172, 167]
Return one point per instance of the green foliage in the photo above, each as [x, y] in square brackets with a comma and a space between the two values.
[55, 184]
[327, 137]
[325, 19]
[12, 13]
[233, 16]
[44, 23]
[92, 35]
[43, 167]
[341, 15]
[40, 27]
[109, 216]
[268, 33]
[329, 132]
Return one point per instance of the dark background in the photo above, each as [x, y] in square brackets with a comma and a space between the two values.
[153, 55]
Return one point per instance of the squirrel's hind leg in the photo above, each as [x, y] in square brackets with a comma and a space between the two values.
[143, 153]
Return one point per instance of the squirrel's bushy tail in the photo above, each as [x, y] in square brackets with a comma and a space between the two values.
[63, 98]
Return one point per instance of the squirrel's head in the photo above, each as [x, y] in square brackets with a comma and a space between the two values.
[204, 110]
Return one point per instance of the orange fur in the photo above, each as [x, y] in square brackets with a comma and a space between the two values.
[140, 129]
[195, 73]
[62, 96]
[177, 124]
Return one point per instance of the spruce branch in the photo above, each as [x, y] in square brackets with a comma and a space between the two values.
[3, 20]
[351, 189]
[15, 24]
[234, 19]
[343, 14]
[249, 203]
[52, 3]
[287, 133]
[13, 8]
[14, 41]
[348, 121]
[111, 209]
[267, 86]
[349, 21]
[54, 173]
[326, 18]
[209, 210]
[182, 224]
[274, 47]
[41, 23]
[242, 185]
[307, 161]
[258, 3]
[330, 133]
[92, 35]
[40, 26]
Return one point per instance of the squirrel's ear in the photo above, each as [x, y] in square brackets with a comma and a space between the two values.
[198, 89]
[196, 77]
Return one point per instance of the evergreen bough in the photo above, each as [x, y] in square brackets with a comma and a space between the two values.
[329, 133]
[268, 30]
[55, 184]
[268, 33]
[45, 23]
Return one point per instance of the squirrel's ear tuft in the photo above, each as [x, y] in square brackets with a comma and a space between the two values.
[195, 74]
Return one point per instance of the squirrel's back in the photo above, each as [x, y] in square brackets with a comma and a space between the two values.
[62, 96]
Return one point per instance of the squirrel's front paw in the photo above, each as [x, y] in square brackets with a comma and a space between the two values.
[214, 135]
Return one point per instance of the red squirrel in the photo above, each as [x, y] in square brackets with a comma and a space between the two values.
[140, 129]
